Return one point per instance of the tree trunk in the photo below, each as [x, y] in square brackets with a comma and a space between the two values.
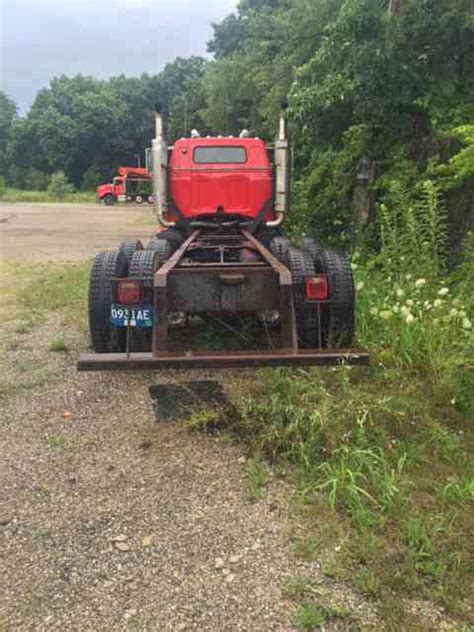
[394, 7]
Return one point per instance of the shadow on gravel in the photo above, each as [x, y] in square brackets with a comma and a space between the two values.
[173, 401]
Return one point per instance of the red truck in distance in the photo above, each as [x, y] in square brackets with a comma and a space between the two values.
[132, 184]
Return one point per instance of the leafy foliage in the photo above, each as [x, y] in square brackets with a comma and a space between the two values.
[59, 187]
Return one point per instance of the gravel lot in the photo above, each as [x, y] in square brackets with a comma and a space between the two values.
[68, 232]
[109, 521]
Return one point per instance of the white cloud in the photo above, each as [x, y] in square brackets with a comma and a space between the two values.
[46, 38]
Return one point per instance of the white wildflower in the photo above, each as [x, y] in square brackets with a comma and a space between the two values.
[354, 266]
[466, 323]
[408, 277]
[373, 311]
[462, 313]
[384, 314]
[453, 312]
[396, 308]
[420, 282]
[410, 302]
[443, 291]
[400, 292]
[359, 286]
[405, 310]
[435, 321]
[409, 318]
[437, 302]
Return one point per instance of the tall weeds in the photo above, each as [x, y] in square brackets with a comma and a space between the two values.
[372, 442]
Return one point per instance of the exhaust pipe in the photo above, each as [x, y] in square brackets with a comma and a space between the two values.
[159, 155]
[282, 172]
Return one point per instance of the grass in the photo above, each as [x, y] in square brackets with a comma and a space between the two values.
[28, 295]
[20, 195]
[379, 451]
[57, 344]
[44, 288]
[388, 449]
[306, 548]
[256, 479]
[56, 442]
[311, 616]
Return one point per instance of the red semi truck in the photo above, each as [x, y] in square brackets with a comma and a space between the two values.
[132, 184]
[220, 256]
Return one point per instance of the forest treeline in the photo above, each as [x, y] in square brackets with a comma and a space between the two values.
[380, 94]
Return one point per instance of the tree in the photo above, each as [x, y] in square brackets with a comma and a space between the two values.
[8, 114]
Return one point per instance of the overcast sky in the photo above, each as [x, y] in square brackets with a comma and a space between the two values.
[41, 39]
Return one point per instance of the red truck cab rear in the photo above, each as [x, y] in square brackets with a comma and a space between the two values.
[229, 176]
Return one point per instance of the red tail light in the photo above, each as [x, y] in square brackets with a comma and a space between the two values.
[129, 292]
[316, 288]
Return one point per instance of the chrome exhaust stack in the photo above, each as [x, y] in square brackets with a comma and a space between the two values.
[159, 155]
[282, 172]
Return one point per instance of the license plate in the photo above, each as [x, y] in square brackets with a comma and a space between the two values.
[141, 316]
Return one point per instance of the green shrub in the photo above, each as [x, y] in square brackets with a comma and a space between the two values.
[91, 178]
[59, 186]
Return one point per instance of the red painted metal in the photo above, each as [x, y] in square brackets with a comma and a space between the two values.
[198, 188]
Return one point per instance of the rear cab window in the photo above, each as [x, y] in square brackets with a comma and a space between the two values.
[219, 155]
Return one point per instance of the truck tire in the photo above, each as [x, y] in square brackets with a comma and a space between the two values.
[313, 247]
[339, 320]
[143, 265]
[108, 200]
[129, 246]
[300, 265]
[138, 199]
[172, 235]
[150, 199]
[173, 240]
[107, 266]
[279, 248]
[163, 249]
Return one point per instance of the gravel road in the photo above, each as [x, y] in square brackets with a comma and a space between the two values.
[109, 521]
[68, 232]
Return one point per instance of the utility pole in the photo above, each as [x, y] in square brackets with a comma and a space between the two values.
[394, 7]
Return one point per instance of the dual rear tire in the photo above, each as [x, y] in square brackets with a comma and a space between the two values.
[107, 266]
[132, 261]
[334, 325]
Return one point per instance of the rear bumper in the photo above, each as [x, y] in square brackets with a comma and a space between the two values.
[219, 360]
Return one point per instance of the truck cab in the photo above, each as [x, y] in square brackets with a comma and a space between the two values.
[230, 177]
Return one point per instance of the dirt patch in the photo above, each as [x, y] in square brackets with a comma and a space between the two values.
[68, 232]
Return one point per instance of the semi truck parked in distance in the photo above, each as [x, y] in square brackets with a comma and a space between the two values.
[131, 184]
